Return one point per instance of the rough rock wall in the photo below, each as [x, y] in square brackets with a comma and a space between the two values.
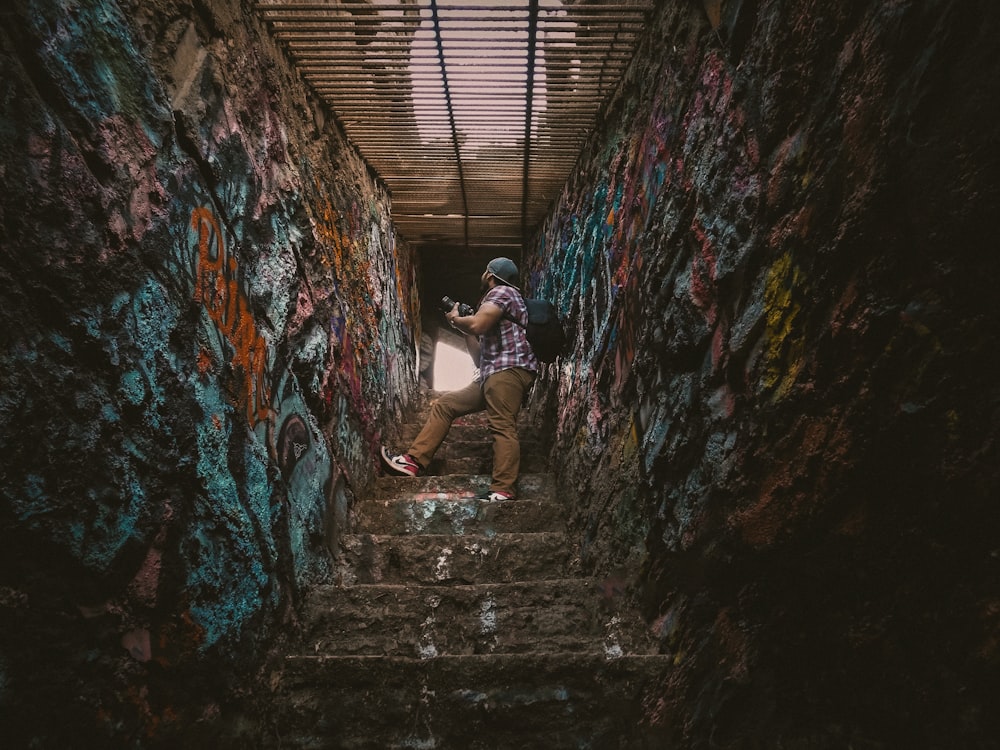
[780, 416]
[207, 322]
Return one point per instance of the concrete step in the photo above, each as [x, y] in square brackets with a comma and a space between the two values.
[426, 621]
[530, 486]
[447, 513]
[502, 701]
[476, 457]
[446, 558]
[443, 463]
[458, 624]
[483, 448]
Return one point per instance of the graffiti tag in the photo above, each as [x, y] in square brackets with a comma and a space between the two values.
[217, 287]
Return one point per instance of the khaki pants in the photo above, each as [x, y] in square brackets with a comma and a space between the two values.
[501, 395]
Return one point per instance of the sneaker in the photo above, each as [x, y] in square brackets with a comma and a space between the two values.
[494, 495]
[403, 465]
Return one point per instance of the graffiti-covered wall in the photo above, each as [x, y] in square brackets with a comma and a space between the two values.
[779, 418]
[207, 322]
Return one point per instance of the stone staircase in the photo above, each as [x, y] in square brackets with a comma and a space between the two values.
[459, 624]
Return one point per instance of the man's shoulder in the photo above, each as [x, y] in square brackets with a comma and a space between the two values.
[502, 296]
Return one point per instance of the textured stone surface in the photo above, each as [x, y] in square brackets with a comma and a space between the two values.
[453, 513]
[207, 322]
[538, 616]
[533, 701]
[426, 558]
[779, 416]
[780, 412]
[459, 639]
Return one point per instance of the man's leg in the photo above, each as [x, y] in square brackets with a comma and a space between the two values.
[504, 392]
[444, 411]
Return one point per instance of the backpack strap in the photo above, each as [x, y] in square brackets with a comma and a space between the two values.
[512, 319]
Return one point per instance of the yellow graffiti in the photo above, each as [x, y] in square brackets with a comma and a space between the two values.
[217, 288]
[784, 342]
[630, 442]
[347, 256]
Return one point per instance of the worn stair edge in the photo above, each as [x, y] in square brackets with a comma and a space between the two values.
[368, 675]
[444, 466]
[479, 445]
[498, 701]
[587, 668]
[446, 558]
[529, 486]
[446, 513]
[412, 620]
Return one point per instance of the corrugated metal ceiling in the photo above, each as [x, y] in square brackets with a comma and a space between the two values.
[472, 112]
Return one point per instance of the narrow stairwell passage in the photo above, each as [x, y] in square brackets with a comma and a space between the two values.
[458, 623]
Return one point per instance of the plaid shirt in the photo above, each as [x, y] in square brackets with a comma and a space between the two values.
[505, 346]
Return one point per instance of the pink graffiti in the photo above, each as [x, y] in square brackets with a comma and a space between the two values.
[125, 143]
[137, 643]
[703, 264]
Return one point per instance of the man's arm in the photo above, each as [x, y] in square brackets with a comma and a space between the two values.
[487, 316]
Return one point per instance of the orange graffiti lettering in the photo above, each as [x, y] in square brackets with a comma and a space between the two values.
[217, 288]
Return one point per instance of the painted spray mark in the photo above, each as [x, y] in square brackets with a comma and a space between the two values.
[371, 290]
[432, 506]
[488, 615]
[348, 439]
[293, 442]
[426, 649]
[218, 288]
[268, 392]
[303, 457]
[785, 345]
[612, 639]
[442, 568]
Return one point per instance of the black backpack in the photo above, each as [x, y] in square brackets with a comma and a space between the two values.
[544, 331]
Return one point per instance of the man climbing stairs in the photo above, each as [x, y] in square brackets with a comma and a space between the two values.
[459, 623]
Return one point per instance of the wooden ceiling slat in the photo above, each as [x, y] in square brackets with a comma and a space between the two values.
[449, 143]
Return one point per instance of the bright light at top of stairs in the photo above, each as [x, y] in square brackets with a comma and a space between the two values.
[453, 367]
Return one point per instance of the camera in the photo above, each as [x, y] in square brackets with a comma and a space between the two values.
[463, 309]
